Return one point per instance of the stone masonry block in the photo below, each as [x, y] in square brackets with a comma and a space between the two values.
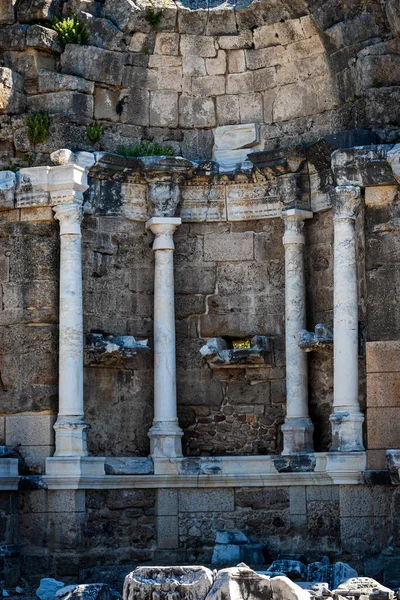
[65, 501]
[196, 111]
[167, 43]
[209, 85]
[365, 501]
[227, 110]
[167, 532]
[198, 45]
[164, 109]
[73, 105]
[211, 500]
[167, 502]
[383, 428]
[230, 247]
[383, 389]
[93, 63]
[298, 505]
[30, 430]
[383, 357]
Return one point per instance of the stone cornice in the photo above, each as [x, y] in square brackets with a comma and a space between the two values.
[49, 186]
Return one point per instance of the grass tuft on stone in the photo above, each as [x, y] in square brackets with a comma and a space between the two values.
[38, 127]
[146, 148]
[71, 30]
[94, 132]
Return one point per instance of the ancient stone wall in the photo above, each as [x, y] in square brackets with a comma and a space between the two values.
[301, 71]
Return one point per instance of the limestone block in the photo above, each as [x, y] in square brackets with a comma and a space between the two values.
[192, 21]
[156, 61]
[104, 34]
[247, 202]
[29, 63]
[284, 589]
[265, 79]
[196, 111]
[13, 38]
[197, 144]
[7, 189]
[393, 158]
[231, 537]
[167, 502]
[202, 204]
[383, 426]
[209, 85]
[251, 108]
[393, 16]
[29, 11]
[125, 14]
[136, 108]
[51, 81]
[225, 554]
[363, 166]
[48, 588]
[164, 109]
[383, 357]
[12, 99]
[92, 591]
[233, 42]
[215, 500]
[30, 430]
[266, 57]
[237, 136]
[240, 83]
[292, 568]
[194, 65]
[221, 22]
[93, 63]
[229, 246]
[7, 11]
[105, 102]
[196, 45]
[227, 110]
[170, 78]
[295, 100]
[279, 33]
[383, 389]
[128, 466]
[167, 43]
[380, 195]
[75, 106]
[236, 61]
[43, 39]
[239, 583]
[375, 70]
[362, 586]
[191, 583]
[393, 465]
[216, 66]
[138, 41]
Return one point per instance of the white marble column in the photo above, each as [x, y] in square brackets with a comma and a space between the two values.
[70, 426]
[298, 428]
[347, 419]
[165, 434]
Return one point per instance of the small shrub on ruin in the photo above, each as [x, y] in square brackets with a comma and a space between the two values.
[94, 132]
[38, 127]
[154, 16]
[146, 148]
[71, 30]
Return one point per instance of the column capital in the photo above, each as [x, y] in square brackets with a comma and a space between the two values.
[294, 222]
[49, 186]
[70, 217]
[346, 202]
[164, 229]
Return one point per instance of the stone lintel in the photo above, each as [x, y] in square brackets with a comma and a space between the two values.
[49, 186]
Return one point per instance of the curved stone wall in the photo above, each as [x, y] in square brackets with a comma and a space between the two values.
[301, 70]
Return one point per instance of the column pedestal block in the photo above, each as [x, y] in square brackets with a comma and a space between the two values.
[347, 434]
[297, 436]
[165, 440]
[71, 437]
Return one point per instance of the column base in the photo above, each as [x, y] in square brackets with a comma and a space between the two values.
[74, 466]
[70, 437]
[297, 436]
[165, 439]
[347, 435]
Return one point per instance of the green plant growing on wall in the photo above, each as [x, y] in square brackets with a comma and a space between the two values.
[94, 132]
[146, 148]
[154, 16]
[38, 127]
[376, 83]
[71, 30]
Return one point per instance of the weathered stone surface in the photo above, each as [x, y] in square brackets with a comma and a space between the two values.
[355, 586]
[362, 166]
[51, 81]
[229, 247]
[93, 591]
[104, 34]
[292, 568]
[29, 11]
[125, 14]
[284, 589]
[393, 465]
[128, 466]
[164, 109]
[73, 105]
[7, 189]
[48, 588]
[12, 99]
[240, 582]
[13, 38]
[43, 39]
[93, 63]
[192, 583]
[196, 111]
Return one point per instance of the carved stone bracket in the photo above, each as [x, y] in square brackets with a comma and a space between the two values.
[321, 339]
[219, 352]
